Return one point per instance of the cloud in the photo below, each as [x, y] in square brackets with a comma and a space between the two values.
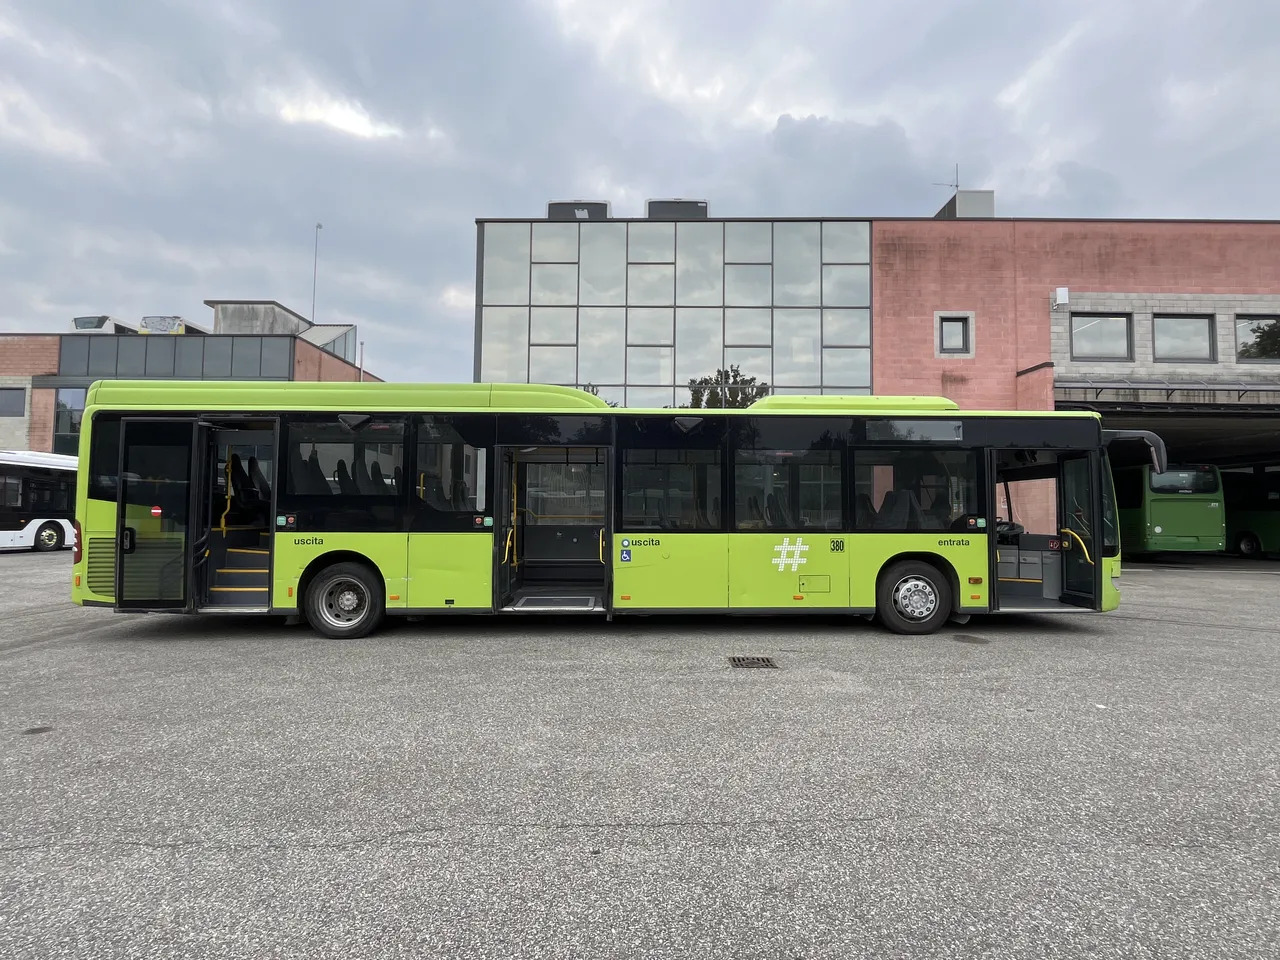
[157, 154]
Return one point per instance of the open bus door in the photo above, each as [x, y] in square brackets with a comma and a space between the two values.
[158, 513]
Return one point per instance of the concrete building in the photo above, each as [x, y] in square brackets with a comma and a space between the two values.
[44, 376]
[1167, 324]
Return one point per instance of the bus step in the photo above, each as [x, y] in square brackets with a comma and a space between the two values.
[238, 597]
[243, 558]
[240, 577]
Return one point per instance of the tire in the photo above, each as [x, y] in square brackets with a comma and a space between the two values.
[913, 597]
[1249, 546]
[336, 587]
[49, 537]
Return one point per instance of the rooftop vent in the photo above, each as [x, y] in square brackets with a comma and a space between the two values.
[969, 205]
[675, 209]
[89, 323]
[578, 210]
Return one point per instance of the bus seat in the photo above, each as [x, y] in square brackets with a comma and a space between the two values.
[777, 515]
[890, 515]
[379, 481]
[241, 489]
[259, 480]
[319, 482]
[399, 479]
[864, 511]
[360, 476]
[345, 483]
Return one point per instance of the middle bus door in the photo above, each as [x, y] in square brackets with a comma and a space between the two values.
[506, 560]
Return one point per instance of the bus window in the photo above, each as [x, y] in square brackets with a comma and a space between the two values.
[333, 458]
[671, 490]
[912, 489]
[1198, 479]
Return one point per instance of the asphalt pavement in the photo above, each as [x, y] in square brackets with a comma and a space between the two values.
[1076, 786]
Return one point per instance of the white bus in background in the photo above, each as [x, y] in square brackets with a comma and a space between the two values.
[37, 500]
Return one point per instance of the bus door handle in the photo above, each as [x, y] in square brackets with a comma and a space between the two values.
[128, 539]
[602, 560]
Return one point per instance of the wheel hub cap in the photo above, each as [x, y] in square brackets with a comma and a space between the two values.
[915, 598]
[348, 601]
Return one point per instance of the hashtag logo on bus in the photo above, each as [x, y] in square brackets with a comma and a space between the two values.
[788, 552]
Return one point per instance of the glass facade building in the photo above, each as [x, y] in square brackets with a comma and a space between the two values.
[636, 309]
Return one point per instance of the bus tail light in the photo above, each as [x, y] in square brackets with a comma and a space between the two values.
[77, 552]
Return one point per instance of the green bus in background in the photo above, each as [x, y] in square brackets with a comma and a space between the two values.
[344, 503]
[1252, 498]
[1178, 509]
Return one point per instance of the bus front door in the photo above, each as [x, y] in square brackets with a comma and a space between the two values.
[1079, 522]
[154, 513]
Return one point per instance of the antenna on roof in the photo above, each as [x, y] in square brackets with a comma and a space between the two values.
[955, 186]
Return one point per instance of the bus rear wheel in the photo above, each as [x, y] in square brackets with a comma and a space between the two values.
[913, 597]
[345, 601]
[48, 537]
[1248, 545]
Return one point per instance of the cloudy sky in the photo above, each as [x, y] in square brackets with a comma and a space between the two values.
[157, 153]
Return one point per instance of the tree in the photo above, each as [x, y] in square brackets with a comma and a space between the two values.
[1266, 341]
[592, 389]
[726, 388]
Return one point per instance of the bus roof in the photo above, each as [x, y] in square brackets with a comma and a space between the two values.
[35, 458]
[252, 396]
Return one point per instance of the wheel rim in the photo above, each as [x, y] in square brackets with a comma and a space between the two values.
[1247, 546]
[915, 598]
[344, 603]
[48, 537]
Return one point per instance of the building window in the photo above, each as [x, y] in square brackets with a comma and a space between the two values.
[68, 409]
[1183, 338]
[1101, 336]
[13, 402]
[1258, 338]
[953, 334]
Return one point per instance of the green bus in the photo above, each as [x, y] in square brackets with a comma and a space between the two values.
[1252, 499]
[1178, 509]
[344, 503]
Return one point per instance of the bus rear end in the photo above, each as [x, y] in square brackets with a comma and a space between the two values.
[1184, 510]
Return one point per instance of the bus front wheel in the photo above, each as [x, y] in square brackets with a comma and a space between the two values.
[913, 597]
[48, 537]
[345, 601]
[1248, 545]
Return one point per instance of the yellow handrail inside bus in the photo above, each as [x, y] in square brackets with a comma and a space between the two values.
[506, 550]
[1071, 533]
[223, 522]
[602, 544]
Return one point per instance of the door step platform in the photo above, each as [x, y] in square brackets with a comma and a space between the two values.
[557, 604]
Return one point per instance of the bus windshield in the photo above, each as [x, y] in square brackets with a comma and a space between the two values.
[1197, 479]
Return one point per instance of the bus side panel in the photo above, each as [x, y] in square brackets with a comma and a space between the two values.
[778, 571]
[450, 571]
[966, 553]
[1110, 588]
[681, 571]
[292, 553]
[97, 568]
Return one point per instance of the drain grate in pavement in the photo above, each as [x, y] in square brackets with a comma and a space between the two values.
[765, 662]
[38, 730]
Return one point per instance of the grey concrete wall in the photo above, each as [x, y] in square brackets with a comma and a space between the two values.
[255, 318]
[1143, 307]
[15, 430]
